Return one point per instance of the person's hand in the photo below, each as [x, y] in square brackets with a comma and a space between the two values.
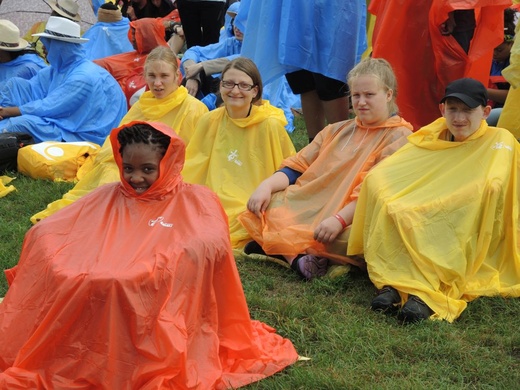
[260, 199]
[191, 71]
[448, 26]
[130, 13]
[328, 230]
[7, 112]
[179, 31]
[192, 86]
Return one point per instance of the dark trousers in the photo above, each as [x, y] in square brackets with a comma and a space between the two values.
[201, 21]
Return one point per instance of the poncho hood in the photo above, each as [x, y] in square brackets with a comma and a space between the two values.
[149, 33]
[169, 169]
[428, 136]
[154, 108]
[258, 114]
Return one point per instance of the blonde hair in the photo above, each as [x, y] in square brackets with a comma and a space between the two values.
[380, 69]
[162, 53]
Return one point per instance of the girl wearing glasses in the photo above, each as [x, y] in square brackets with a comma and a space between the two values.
[238, 145]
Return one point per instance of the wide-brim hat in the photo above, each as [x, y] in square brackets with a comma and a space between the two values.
[62, 29]
[66, 8]
[10, 37]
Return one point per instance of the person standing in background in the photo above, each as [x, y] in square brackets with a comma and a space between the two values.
[201, 20]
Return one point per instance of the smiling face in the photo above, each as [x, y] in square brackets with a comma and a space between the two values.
[141, 165]
[370, 100]
[237, 101]
[161, 78]
[462, 121]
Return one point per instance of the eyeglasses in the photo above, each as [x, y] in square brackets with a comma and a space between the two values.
[241, 86]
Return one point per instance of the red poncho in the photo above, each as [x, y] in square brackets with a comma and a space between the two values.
[127, 291]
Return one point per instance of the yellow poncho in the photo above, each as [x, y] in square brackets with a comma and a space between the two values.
[510, 116]
[233, 156]
[179, 110]
[439, 219]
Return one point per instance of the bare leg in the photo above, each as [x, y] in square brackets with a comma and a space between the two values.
[313, 113]
[336, 110]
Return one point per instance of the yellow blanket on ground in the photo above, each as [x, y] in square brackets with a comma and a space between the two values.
[439, 219]
[179, 110]
[233, 156]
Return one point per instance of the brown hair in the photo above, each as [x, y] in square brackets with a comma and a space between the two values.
[382, 70]
[248, 67]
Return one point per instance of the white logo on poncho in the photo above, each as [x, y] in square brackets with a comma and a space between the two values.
[159, 220]
[233, 156]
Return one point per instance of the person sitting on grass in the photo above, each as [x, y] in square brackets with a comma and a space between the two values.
[71, 100]
[437, 222]
[17, 58]
[236, 146]
[165, 101]
[134, 287]
[303, 212]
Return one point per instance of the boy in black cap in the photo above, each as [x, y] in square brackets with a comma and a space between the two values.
[438, 221]
[464, 105]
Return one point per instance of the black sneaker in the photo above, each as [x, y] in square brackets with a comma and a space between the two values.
[253, 247]
[387, 300]
[414, 310]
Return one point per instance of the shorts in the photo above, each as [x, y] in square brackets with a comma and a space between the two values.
[327, 89]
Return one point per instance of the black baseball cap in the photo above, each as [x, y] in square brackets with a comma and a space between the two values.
[472, 92]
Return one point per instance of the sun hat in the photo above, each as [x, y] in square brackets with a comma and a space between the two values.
[10, 37]
[62, 29]
[472, 92]
[66, 8]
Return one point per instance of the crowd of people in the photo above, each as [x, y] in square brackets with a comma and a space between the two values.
[403, 177]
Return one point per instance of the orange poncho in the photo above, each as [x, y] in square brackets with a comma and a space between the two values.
[127, 291]
[333, 167]
[407, 34]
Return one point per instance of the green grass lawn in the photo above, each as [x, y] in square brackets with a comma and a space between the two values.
[330, 321]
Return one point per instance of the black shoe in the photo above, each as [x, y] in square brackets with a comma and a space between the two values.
[253, 247]
[414, 310]
[387, 300]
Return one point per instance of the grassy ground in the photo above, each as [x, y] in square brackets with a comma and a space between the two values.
[330, 321]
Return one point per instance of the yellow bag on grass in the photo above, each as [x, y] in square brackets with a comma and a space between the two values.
[58, 161]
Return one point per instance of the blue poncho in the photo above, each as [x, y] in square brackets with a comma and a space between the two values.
[24, 66]
[71, 100]
[281, 36]
[106, 39]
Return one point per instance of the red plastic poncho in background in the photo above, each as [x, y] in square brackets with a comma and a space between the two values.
[127, 291]
[407, 34]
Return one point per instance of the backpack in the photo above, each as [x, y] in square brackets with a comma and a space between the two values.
[10, 143]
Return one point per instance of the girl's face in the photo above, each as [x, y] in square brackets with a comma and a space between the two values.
[370, 100]
[502, 52]
[141, 165]
[161, 78]
[238, 101]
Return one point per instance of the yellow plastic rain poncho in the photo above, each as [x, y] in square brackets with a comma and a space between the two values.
[179, 110]
[333, 167]
[510, 116]
[233, 156]
[439, 219]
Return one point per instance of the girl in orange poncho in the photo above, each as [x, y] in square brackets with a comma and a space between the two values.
[134, 287]
[308, 205]
[165, 102]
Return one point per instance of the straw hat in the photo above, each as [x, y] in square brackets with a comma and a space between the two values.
[62, 29]
[10, 37]
[66, 8]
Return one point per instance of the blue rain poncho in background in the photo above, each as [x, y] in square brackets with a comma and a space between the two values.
[107, 39]
[71, 100]
[24, 66]
[228, 48]
[282, 36]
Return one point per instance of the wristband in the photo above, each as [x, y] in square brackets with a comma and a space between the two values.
[341, 220]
